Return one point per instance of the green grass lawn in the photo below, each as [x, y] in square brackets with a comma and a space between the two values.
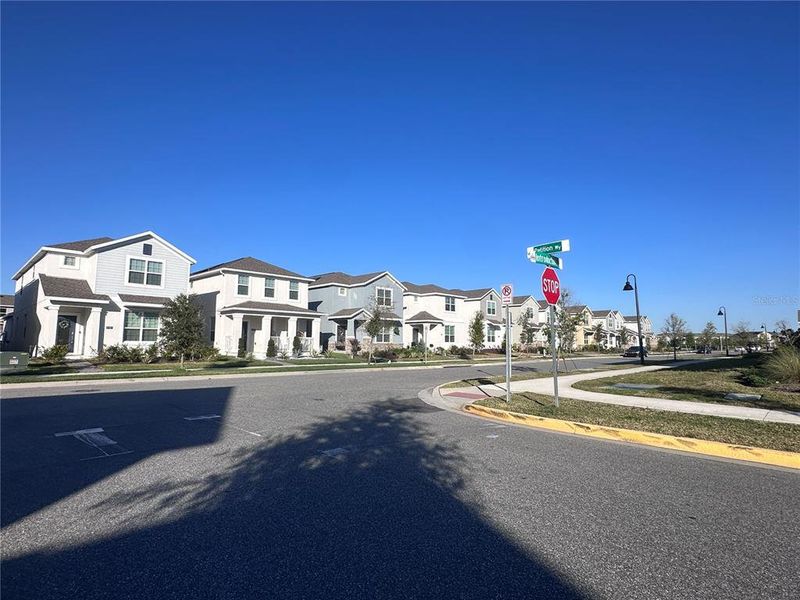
[778, 436]
[489, 379]
[707, 381]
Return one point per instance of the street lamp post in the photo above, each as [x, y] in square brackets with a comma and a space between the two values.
[635, 288]
[723, 312]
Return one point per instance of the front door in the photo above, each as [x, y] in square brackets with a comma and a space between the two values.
[243, 340]
[65, 331]
[340, 335]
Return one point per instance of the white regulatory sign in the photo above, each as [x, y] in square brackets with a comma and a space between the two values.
[506, 293]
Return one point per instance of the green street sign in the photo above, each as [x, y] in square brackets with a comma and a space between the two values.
[550, 248]
[546, 259]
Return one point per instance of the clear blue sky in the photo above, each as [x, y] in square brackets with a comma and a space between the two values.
[434, 140]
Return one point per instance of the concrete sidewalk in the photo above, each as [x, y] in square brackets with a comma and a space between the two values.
[545, 386]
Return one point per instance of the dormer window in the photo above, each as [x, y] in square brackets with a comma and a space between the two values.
[70, 261]
[343, 291]
[147, 249]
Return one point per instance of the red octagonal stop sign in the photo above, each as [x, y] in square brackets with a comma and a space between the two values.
[551, 286]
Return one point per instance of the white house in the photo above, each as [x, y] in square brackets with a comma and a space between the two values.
[435, 316]
[248, 301]
[537, 318]
[629, 322]
[612, 323]
[94, 293]
[486, 301]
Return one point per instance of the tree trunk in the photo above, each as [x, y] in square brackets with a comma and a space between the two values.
[674, 351]
[181, 360]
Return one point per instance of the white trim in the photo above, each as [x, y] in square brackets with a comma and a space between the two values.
[361, 284]
[146, 260]
[86, 300]
[223, 270]
[443, 294]
[38, 255]
[276, 311]
[340, 291]
[144, 234]
[391, 296]
[64, 264]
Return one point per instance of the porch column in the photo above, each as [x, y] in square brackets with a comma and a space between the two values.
[91, 332]
[315, 341]
[266, 331]
[292, 331]
[232, 341]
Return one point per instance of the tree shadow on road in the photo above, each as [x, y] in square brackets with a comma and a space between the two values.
[369, 504]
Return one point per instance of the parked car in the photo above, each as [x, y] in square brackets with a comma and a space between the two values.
[634, 351]
[703, 350]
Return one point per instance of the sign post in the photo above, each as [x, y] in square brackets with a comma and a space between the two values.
[551, 288]
[506, 296]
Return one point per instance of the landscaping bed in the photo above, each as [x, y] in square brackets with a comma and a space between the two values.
[777, 436]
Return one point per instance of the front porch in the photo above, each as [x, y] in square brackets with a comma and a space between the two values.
[74, 324]
[249, 333]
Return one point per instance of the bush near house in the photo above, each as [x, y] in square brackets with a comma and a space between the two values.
[272, 350]
[297, 345]
[55, 354]
[783, 365]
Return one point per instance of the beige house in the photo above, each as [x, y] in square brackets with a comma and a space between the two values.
[246, 302]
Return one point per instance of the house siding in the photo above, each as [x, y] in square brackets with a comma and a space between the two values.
[112, 267]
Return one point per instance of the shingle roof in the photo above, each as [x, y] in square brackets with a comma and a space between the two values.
[428, 288]
[494, 321]
[424, 317]
[81, 245]
[346, 313]
[134, 299]
[270, 307]
[248, 263]
[517, 300]
[575, 309]
[473, 294]
[6, 300]
[345, 278]
[601, 313]
[59, 287]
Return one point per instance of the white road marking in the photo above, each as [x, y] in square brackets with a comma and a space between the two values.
[201, 418]
[335, 451]
[244, 430]
[80, 431]
[493, 436]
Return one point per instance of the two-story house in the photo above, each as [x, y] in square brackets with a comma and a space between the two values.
[487, 302]
[612, 323]
[435, 316]
[647, 330]
[89, 294]
[345, 302]
[536, 310]
[246, 302]
[583, 329]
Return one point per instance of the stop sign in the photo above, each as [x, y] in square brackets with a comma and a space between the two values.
[551, 286]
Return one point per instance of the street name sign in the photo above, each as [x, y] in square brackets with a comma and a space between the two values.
[506, 293]
[551, 247]
[546, 259]
[551, 286]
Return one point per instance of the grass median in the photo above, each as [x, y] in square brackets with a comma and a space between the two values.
[777, 436]
[708, 381]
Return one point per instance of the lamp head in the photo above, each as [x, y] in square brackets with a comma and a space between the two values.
[628, 287]
[719, 314]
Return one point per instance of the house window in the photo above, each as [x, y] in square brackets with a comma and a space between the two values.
[491, 307]
[294, 290]
[140, 327]
[490, 334]
[243, 285]
[145, 272]
[342, 291]
[449, 334]
[70, 261]
[450, 304]
[385, 336]
[269, 287]
[610, 323]
[147, 249]
[383, 296]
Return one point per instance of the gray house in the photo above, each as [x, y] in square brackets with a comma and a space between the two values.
[345, 301]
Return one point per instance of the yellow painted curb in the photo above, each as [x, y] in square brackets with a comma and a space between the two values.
[765, 456]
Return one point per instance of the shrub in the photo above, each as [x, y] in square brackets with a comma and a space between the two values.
[783, 365]
[283, 354]
[297, 345]
[114, 354]
[55, 353]
[208, 353]
[272, 350]
[151, 353]
[135, 354]
[355, 347]
[387, 354]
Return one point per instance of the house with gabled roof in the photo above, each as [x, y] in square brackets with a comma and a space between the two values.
[345, 300]
[612, 324]
[629, 322]
[487, 302]
[246, 302]
[536, 311]
[89, 294]
[583, 330]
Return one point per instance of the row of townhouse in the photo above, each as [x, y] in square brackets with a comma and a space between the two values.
[91, 294]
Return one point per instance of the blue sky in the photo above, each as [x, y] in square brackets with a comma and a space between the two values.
[434, 140]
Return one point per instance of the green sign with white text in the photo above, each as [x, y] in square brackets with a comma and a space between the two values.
[546, 259]
[550, 248]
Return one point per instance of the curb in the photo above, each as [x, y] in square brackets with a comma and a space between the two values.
[778, 458]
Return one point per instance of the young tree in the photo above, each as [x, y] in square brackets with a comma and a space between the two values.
[623, 337]
[690, 341]
[477, 335]
[181, 326]
[673, 330]
[741, 333]
[599, 338]
[708, 335]
[377, 322]
[527, 328]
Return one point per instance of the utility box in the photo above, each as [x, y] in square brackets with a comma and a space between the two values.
[11, 361]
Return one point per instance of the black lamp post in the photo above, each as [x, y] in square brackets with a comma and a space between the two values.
[635, 288]
[723, 312]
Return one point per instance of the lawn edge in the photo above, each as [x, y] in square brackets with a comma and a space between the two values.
[778, 458]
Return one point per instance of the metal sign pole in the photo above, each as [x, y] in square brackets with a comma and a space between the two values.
[508, 353]
[553, 350]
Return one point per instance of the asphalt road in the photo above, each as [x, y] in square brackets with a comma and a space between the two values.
[346, 485]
